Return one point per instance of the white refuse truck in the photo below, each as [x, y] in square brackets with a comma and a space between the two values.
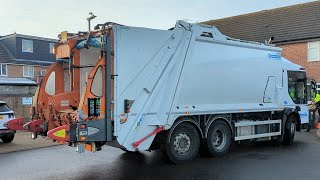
[180, 89]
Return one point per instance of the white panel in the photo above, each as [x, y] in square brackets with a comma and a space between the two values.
[224, 74]
[87, 57]
[96, 87]
[304, 114]
[147, 65]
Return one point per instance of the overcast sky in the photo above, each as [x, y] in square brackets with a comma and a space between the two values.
[48, 18]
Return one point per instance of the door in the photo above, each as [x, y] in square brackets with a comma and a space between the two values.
[297, 82]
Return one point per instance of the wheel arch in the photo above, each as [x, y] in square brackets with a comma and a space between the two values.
[292, 112]
[185, 119]
[217, 118]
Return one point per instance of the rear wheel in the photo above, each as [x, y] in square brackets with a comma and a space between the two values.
[290, 130]
[219, 138]
[183, 144]
[8, 139]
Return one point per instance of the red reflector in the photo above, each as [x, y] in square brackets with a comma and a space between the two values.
[302, 68]
[83, 126]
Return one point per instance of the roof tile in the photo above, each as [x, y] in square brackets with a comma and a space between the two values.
[291, 23]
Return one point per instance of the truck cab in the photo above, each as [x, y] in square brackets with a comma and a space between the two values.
[296, 79]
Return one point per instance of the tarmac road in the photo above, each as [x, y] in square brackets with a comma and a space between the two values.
[244, 162]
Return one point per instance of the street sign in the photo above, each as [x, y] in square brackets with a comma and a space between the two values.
[27, 100]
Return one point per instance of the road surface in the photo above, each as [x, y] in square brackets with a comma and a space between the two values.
[244, 162]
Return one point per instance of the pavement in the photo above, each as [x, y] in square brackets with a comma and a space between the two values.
[22, 141]
[245, 161]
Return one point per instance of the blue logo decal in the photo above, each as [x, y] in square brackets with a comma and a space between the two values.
[285, 102]
[274, 56]
[303, 114]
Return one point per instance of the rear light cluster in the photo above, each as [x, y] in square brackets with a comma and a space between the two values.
[127, 105]
[82, 126]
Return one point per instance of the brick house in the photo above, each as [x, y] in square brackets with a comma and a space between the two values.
[296, 29]
[23, 61]
[25, 56]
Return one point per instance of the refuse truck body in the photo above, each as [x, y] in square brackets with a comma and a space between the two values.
[178, 90]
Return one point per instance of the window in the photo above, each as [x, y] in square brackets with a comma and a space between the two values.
[51, 83]
[27, 45]
[96, 86]
[297, 82]
[4, 108]
[28, 71]
[314, 51]
[42, 72]
[51, 46]
[3, 70]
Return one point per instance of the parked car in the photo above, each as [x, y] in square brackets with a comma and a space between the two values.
[6, 114]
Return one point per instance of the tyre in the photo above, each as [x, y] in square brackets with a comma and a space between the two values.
[183, 144]
[8, 139]
[290, 130]
[165, 154]
[309, 127]
[219, 138]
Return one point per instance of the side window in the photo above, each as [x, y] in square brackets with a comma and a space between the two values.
[51, 46]
[28, 71]
[51, 83]
[96, 87]
[314, 51]
[43, 72]
[3, 70]
[297, 87]
[27, 46]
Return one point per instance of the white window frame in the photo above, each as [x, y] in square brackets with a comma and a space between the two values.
[27, 45]
[318, 50]
[51, 47]
[29, 74]
[1, 74]
[42, 72]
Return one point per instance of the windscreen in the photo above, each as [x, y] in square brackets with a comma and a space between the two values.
[297, 82]
[4, 108]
